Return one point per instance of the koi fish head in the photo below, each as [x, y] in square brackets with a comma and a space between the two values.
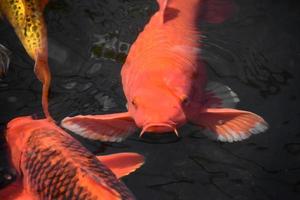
[156, 110]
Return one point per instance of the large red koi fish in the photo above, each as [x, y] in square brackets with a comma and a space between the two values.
[52, 165]
[165, 82]
[27, 19]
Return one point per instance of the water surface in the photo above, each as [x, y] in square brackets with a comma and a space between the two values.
[256, 53]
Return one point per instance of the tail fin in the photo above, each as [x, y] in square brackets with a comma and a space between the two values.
[42, 71]
[45, 95]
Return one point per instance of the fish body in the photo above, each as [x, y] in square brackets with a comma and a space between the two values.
[163, 66]
[165, 82]
[53, 165]
[26, 17]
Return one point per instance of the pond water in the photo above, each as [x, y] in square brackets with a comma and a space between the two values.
[256, 53]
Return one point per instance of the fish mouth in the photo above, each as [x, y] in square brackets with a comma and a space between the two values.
[159, 128]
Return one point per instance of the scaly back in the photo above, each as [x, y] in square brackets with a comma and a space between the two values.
[58, 166]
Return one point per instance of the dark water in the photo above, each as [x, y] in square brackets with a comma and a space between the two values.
[256, 53]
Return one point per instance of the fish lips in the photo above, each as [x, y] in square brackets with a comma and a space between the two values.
[159, 128]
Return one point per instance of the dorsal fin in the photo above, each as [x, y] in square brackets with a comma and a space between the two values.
[217, 11]
[162, 4]
[162, 8]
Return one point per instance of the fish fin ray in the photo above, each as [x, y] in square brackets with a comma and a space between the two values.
[108, 128]
[122, 164]
[229, 125]
[39, 67]
[162, 5]
[162, 8]
[219, 96]
[217, 11]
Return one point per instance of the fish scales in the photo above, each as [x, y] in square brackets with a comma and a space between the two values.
[53, 177]
[28, 21]
[52, 165]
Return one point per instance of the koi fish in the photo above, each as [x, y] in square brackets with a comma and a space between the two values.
[165, 82]
[26, 17]
[52, 165]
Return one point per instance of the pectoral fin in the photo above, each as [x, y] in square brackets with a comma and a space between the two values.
[108, 128]
[229, 125]
[122, 164]
[218, 95]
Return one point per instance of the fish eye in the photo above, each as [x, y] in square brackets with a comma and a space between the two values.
[133, 102]
[185, 101]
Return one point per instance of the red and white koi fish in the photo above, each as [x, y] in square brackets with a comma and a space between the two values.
[53, 165]
[27, 19]
[165, 82]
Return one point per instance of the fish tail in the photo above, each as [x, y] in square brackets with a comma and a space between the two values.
[45, 98]
[42, 71]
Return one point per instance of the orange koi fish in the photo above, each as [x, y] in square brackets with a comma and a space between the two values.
[53, 165]
[165, 82]
[26, 17]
